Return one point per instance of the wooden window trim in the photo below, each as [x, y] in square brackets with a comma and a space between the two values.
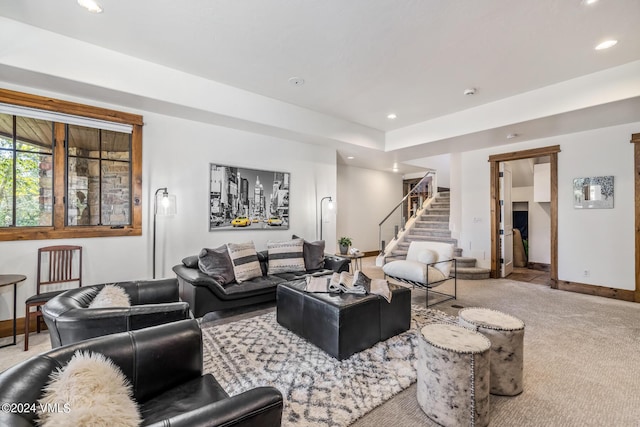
[59, 230]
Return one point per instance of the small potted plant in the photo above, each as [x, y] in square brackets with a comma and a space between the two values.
[344, 243]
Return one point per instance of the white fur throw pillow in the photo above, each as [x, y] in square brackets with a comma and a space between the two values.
[89, 391]
[111, 296]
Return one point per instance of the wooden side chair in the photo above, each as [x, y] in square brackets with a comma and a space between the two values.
[57, 266]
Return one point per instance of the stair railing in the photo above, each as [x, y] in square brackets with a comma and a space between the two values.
[395, 221]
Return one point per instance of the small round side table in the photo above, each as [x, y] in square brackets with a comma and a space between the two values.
[8, 280]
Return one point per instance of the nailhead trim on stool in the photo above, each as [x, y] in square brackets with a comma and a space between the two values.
[453, 375]
[506, 334]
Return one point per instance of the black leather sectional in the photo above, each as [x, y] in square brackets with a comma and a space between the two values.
[205, 294]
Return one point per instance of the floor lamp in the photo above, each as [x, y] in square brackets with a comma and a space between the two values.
[329, 206]
[165, 207]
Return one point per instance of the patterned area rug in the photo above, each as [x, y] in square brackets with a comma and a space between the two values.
[318, 390]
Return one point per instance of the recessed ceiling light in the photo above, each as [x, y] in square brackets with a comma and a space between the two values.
[470, 91]
[589, 2]
[607, 44]
[512, 135]
[296, 81]
[391, 116]
[350, 157]
[91, 5]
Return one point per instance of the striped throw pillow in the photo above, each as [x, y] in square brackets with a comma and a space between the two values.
[286, 257]
[245, 261]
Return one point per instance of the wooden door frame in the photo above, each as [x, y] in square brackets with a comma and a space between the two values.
[494, 160]
[635, 140]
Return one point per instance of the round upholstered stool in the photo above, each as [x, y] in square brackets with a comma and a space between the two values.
[453, 375]
[506, 334]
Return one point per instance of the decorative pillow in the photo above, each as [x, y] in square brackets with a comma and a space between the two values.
[313, 254]
[90, 391]
[111, 296]
[191, 261]
[217, 264]
[427, 256]
[245, 261]
[285, 257]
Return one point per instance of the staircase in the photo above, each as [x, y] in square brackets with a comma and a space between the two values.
[433, 226]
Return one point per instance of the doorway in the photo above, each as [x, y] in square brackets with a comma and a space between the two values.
[497, 203]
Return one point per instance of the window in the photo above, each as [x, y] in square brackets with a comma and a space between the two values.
[68, 170]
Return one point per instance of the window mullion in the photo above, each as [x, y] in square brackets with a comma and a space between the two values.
[14, 207]
[59, 171]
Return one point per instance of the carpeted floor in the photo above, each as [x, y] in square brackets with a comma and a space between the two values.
[581, 359]
[581, 362]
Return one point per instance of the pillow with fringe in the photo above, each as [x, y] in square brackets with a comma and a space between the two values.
[111, 296]
[90, 390]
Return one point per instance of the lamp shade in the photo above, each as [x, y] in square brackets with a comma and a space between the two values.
[166, 204]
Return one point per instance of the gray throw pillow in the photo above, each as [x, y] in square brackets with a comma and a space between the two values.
[313, 253]
[217, 264]
[191, 261]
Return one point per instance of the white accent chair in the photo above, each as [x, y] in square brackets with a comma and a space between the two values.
[428, 264]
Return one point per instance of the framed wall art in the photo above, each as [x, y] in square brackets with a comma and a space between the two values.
[594, 192]
[247, 199]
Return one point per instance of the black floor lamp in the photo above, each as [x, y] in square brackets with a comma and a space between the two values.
[166, 207]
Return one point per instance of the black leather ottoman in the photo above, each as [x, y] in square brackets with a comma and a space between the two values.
[342, 324]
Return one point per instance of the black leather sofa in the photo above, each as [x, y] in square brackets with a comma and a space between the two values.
[164, 366]
[153, 302]
[204, 294]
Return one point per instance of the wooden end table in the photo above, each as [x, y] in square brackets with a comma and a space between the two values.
[356, 260]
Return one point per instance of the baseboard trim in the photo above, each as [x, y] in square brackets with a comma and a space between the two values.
[371, 253]
[600, 291]
[6, 327]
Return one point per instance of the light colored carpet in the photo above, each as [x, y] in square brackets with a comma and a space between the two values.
[318, 390]
[581, 359]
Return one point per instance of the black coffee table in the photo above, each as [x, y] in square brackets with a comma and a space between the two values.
[342, 324]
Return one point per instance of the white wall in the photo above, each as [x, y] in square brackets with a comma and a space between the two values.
[176, 155]
[365, 197]
[441, 164]
[598, 240]
[539, 225]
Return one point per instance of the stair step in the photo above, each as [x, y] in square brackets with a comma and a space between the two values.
[438, 218]
[435, 232]
[416, 237]
[465, 262]
[440, 205]
[402, 254]
[437, 211]
[439, 225]
[473, 273]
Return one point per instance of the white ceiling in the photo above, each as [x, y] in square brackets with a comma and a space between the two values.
[362, 59]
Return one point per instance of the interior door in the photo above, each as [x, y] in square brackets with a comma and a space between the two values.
[506, 221]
